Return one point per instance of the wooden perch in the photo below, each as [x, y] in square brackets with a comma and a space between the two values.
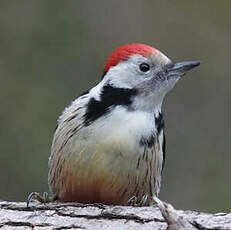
[57, 216]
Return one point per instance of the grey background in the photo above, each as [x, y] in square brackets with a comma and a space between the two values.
[51, 51]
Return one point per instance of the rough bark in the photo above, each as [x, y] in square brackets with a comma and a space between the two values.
[15, 215]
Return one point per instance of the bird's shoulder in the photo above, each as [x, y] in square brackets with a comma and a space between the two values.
[70, 122]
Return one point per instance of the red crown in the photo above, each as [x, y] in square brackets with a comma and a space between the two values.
[124, 52]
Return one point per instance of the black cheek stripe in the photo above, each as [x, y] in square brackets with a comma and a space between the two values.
[110, 96]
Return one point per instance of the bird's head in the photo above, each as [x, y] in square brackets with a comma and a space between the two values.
[144, 70]
[136, 77]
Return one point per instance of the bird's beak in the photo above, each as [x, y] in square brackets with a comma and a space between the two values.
[180, 68]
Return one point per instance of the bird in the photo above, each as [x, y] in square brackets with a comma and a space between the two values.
[109, 143]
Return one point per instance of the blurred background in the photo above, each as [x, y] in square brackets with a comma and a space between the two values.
[51, 51]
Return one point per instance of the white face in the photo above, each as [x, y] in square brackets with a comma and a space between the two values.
[147, 75]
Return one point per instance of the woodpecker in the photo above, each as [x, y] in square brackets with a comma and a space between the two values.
[109, 144]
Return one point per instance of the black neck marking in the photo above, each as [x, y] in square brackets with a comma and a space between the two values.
[164, 150]
[110, 96]
[159, 121]
[150, 140]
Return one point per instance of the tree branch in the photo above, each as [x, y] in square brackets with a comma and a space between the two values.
[15, 215]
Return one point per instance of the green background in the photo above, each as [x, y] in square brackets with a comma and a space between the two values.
[51, 51]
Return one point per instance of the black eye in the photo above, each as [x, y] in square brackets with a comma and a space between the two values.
[144, 67]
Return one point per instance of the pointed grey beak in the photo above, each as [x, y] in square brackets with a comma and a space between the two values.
[180, 68]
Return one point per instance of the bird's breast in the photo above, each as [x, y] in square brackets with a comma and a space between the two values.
[105, 162]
